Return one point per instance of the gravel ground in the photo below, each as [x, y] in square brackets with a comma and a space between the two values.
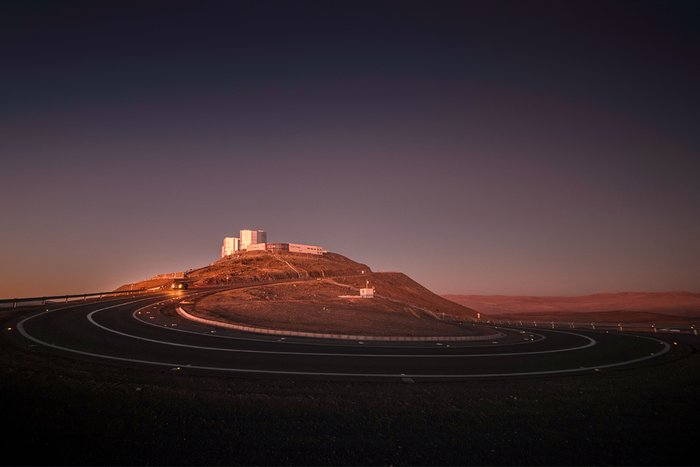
[318, 306]
[66, 412]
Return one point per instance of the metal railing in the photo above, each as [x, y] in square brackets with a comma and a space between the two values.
[593, 325]
[35, 301]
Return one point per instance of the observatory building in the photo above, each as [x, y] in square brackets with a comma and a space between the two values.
[256, 240]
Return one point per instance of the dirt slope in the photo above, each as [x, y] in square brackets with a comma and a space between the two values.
[398, 286]
[261, 266]
[320, 293]
[333, 305]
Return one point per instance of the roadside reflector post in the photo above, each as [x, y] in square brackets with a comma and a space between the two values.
[521, 323]
[14, 304]
[653, 326]
[534, 323]
[619, 326]
[572, 325]
[592, 325]
[552, 324]
[695, 331]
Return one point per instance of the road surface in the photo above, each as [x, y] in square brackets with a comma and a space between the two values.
[145, 331]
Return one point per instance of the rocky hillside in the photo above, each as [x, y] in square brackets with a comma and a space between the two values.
[262, 266]
[333, 270]
[257, 266]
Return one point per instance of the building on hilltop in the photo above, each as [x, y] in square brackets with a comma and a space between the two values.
[277, 247]
[256, 240]
[169, 275]
[312, 249]
[251, 237]
[257, 247]
[230, 246]
[287, 247]
[293, 248]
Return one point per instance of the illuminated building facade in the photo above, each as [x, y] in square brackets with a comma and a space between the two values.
[251, 237]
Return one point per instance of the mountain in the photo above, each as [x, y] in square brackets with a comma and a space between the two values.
[624, 306]
[317, 293]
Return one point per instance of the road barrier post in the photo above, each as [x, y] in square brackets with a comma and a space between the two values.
[534, 323]
[695, 331]
[592, 325]
[619, 326]
[552, 324]
[653, 326]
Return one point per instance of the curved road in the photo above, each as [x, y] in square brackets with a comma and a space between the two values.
[145, 331]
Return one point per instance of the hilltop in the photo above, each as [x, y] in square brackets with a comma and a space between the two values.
[261, 266]
[306, 292]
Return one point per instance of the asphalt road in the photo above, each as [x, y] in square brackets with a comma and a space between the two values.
[145, 331]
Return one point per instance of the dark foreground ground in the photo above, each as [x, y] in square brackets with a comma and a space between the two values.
[60, 411]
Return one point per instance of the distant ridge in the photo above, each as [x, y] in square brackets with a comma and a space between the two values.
[676, 303]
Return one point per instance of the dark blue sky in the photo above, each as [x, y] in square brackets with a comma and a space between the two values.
[480, 147]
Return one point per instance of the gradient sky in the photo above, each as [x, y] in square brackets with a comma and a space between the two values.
[479, 147]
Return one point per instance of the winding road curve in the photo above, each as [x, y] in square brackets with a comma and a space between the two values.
[146, 332]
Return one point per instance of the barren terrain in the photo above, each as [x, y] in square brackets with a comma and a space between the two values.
[260, 266]
[630, 307]
[324, 306]
[320, 293]
[63, 411]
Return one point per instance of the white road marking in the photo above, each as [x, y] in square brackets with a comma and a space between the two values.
[591, 342]
[384, 344]
[20, 326]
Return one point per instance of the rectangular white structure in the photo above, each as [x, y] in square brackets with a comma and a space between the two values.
[230, 246]
[367, 292]
[311, 249]
[257, 247]
[170, 275]
[251, 237]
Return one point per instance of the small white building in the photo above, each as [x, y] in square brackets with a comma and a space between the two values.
[230, 246]
[367, 292]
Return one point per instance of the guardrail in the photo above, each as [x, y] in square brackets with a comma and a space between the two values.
[281, 332]
[28, 301]
[619, 326]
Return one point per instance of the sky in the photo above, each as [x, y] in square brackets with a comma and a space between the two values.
[481, 147]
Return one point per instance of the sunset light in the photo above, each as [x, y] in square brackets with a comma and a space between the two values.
[350, 232]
